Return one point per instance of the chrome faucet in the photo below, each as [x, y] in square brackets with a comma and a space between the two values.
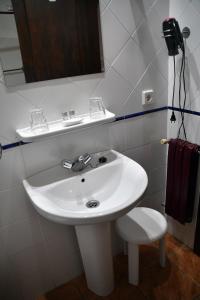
[78, 164]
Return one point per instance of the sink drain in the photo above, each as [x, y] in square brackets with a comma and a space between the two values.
[92, 203]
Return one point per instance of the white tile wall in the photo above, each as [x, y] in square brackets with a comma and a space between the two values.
[187, 13]
[114, 35]
[35, 254]
[32, 268]
[131, 13]
[130, 63]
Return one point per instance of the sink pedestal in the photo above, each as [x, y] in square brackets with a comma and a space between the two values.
[96, 252]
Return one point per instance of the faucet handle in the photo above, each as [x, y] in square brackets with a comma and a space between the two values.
[86, 158]
[67, 164]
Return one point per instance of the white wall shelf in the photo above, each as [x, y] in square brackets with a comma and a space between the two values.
[57, 127]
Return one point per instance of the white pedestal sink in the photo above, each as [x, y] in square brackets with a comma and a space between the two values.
[89, 200]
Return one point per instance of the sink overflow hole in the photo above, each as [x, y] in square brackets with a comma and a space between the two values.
[92, 203]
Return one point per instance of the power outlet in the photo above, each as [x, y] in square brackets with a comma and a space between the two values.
[147, 97]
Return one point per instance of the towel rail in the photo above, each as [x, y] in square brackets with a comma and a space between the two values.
[7, 12]
[164, 141]
[16, 70]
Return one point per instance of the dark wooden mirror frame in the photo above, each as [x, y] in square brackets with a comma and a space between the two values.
[59, 38]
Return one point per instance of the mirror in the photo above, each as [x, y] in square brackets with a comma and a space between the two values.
[43, 40]
[10, 55]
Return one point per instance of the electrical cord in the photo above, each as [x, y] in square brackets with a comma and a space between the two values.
[185, 97]
[182, 81]
[179, 95]
[173, 117]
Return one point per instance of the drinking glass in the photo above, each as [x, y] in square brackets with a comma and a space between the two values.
[97, 108]
[38, 121]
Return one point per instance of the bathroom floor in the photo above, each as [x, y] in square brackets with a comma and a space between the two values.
[180, 280]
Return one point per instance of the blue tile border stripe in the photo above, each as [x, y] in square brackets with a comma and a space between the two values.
[13, 145]
[120, 118]
[141, 113]
[187, 111]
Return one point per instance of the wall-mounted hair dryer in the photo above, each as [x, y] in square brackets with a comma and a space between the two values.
[175, 41]
[173, 36]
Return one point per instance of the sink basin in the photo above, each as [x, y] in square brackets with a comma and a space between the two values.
[89, 200]
[116, 186]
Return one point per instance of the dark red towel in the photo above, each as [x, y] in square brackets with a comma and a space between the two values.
[181, 179]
